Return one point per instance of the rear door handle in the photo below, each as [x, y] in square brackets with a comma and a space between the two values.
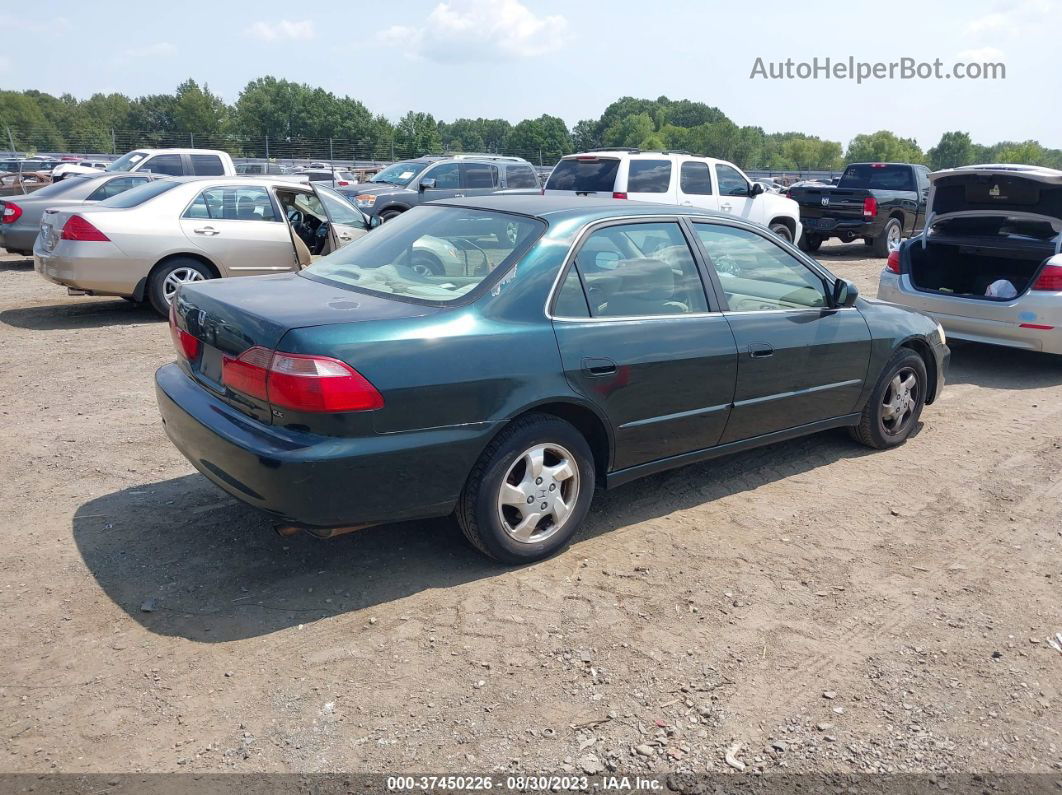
[760, 350]
[206, 230]
[599, 366]
[726, 207]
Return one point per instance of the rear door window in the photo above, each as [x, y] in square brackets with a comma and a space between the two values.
[649, 176]
[479, 175]
[207, 166]
[585, 175]
[695, 178]
[164, 164]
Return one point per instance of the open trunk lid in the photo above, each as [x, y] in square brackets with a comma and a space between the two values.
[230, 316]
[997, 189]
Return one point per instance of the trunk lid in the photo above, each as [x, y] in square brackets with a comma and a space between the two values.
[997, 189]
[229, 316]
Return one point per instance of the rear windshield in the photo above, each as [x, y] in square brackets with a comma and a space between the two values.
[584, 175]
[882, 177]
[436, 255]
[134, 197]
[57, 188]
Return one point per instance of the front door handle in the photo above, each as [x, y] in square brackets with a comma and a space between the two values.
[599, 366]
[206, 230]
[760, 350]
[344, 237]
[725, 207]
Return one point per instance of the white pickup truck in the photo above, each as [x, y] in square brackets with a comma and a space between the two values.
[177, 162]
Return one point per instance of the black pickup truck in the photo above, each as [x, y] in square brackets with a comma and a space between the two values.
[879, 202]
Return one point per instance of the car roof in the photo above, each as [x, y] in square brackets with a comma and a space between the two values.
[556, 208]
[244, 179]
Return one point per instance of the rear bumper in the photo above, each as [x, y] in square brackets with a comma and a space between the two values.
[840, 226]
[313, 480]
[13, 238]
[96, 268]
[992, 322]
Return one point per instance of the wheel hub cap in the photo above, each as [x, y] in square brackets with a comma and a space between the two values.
[538, 493]
[899, 401]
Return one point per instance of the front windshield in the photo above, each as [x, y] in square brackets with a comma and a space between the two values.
[127, 161]
[436, 254]
[399, 173]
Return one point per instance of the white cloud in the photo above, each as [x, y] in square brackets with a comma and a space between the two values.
[282, 30]
[982, 54]
[161, 49]
[1013, 18]
[461, 31]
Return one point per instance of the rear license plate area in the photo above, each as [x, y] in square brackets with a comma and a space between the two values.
[210, 364]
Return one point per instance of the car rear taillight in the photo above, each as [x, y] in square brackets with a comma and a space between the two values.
[870, 207]
[77, 228]
[187, 346]
[1050, 279]
[299, 382]
[618, 195]
[893, 262]
[12, 212]
[342, 183]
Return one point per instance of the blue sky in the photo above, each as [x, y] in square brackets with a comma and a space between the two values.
[520, 58]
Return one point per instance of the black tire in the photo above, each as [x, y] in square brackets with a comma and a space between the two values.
[892, 230]
[156, 288]
[478, 510]
[427, 264]
[387, 215]
[874, 429]
[782, 231]
[868, 241]
[810, 243]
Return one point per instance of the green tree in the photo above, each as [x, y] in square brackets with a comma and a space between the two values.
[417, 134]
[196, 110]
[632, 130]
[584, 136]
[953, 149]
[543, 140]
[883, 146]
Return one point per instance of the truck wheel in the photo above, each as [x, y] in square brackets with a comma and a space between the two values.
[782, 231]
[888, 239]
[387, 215]
[810, 242]
[529, 491]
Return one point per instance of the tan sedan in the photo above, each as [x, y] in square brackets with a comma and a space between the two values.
[144, 243]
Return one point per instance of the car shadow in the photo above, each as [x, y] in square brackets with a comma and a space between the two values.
[183, 559]
[91, 314]
[998, 367]
[20, 264]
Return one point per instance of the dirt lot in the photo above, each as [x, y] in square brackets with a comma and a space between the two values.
[829, 608]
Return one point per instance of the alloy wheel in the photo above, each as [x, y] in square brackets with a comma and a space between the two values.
[893, 237]
[899, 402]
[538, 493]
[176, 278]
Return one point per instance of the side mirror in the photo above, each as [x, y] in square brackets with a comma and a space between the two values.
[845, 293]
[374, 221]
[756, 189]
[427, 184]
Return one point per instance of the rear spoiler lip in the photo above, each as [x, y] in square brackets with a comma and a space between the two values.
[933, 218]
[1038, 175]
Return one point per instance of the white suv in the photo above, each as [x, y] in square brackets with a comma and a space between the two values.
[674, 178]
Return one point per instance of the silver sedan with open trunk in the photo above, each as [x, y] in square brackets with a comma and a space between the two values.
[988, 265]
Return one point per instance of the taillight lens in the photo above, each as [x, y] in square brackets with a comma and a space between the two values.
[77, 228]
[299, 382]
[870, 207]
[893, 262]
[1050, 279]
[618, 195]
[12, 212]
[186, 345]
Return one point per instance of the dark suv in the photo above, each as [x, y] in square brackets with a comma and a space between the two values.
[408, 183]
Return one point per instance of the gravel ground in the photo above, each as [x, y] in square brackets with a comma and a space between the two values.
[811, 606]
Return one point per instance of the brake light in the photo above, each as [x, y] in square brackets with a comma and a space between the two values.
[870, 207]
[618, 195]
[877, 165]
[12, 212]
[296, 381]
[187, 346]
[1050, 279]
[893, 262]
[77, 228]
[342, 183]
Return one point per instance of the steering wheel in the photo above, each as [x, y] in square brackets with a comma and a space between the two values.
[295, 217]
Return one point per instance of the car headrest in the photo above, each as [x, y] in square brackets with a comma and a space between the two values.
[646, 279]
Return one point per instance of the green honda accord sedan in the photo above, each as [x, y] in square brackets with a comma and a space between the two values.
[595, 342]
